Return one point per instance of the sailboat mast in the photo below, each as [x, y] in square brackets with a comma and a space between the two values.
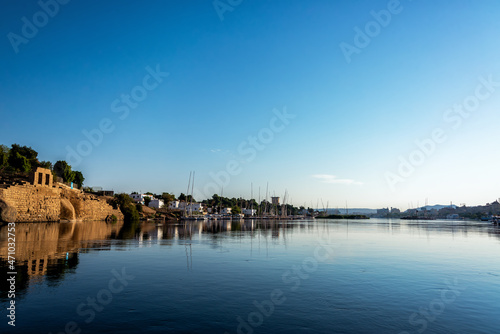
[251, 197]
[220, 202]
[267, 189]
[191, 199]
[259, 204]
[187, 193]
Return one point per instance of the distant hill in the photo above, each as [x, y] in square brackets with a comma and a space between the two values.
[437, 207]
[343, 211]
[366, 211]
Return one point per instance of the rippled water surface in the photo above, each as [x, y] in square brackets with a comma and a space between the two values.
[316, 276]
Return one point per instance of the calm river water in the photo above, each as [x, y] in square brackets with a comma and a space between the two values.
[312, 276]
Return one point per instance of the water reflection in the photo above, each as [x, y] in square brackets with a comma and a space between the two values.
[188, 230]
[50, 251]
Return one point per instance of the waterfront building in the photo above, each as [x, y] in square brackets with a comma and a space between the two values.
[191, 207]
[226, 211]
[139, 198]
[156, 203]
[195, 207]
[249, 212]
[174, 205]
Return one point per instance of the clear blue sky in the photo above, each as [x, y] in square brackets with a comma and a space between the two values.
[352, 120]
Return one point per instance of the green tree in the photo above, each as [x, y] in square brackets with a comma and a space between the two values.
[62, 169]
[79, 178]
[138, 206]
[187, 198]
[22, 158]
[167, 198]
[19, 162]
[130, 213]
[4, 156]
[147, 200]
[235, 210]
[127, 207]
[45, 164]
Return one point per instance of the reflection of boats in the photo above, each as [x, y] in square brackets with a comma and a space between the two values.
[194, 218]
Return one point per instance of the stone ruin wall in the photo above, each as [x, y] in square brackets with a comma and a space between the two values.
[32, 203]
[45, 201]
[89, 207]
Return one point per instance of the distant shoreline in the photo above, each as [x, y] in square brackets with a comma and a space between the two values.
[343, 217]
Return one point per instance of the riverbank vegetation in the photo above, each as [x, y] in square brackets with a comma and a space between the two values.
[17, 161]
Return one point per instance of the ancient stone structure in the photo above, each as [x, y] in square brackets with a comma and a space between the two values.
[33, 203]
[7, 212]
[67, 210]
[41, 177]
[88, 206]
[42, 200]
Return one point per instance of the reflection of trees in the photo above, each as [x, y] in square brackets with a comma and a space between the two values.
[49, 250]
[215, 229]
[60, 267]
[128, 231]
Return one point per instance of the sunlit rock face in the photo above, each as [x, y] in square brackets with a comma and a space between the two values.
[41, 203]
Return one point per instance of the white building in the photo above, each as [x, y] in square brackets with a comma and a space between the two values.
[249, 212]
[193, 207]
[156, 203]
[139, 198]
[226, 211]
[173, 205]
